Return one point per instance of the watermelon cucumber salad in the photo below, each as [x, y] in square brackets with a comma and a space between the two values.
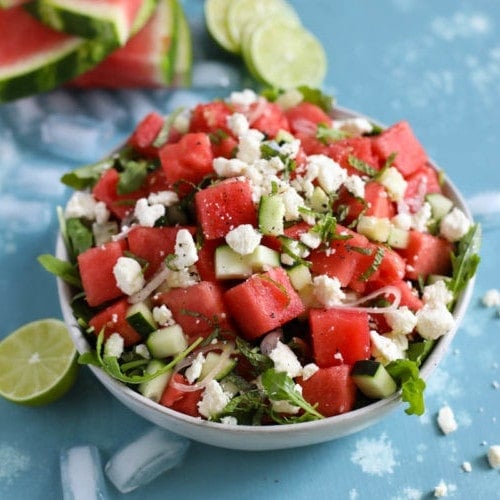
[110, 43]
[254, 261]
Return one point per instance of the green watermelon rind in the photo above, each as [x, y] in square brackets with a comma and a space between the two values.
[88, 22]
[183, 57]
[168, 59]
[46, 71]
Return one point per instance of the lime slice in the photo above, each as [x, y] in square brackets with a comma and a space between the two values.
[241, 13]
[285, 56]
[216, 20]
[37, 363]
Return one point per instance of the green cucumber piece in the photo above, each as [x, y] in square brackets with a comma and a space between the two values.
[319, 201]
[373, 379]
[398, 238]
[153, 389]
[300, 276]
[440, 205]
[262, 258]
[140, 317]
[230, 264]
[166, 342]
[212, 359]
[271, 215]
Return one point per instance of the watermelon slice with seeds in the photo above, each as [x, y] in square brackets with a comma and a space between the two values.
[158, 56]
[111, 21]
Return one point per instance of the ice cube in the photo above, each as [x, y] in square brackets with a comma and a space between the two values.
[151, 454]
[215, 74]
[81, 473]
[78, 137]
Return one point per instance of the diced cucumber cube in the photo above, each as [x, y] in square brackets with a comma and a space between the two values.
[140, 317]
[167, 341]
[398, 238]
[374, 228]
[153, 389]
[300, 276]
[319, 201]
[212, 360]
[263, 258]
[373, 379]
[271, 215]
[440, 205]
[230, 264]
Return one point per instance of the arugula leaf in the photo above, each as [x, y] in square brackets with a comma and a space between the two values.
[61, 268]
[247, 407]
[317, 97]
[465, 260]
[418, 351]
[279, 386]
[79, 236]
[260, 362]
[86, 176]
[132, 177]
[407, 376]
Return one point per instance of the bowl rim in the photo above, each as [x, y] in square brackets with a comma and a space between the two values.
[356, 419]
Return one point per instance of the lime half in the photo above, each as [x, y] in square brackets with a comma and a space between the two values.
[38, 363]
[285, 55]
[216, 20]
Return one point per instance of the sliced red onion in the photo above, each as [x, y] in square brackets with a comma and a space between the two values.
[305, 126]
[386, 290]
[158, 278]
[270, 341]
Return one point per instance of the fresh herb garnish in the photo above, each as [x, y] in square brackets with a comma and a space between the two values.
[326, 134]
[377, 260]
[80, 237]
[361, 166]
[132, 177]
[406, 375]
[61, 268]
[260, 362]
[86, 176]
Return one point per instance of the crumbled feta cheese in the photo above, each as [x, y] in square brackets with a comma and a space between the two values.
[142, 350]
[238, 124]
[446, 420]
[229, 420]
[454, 225]
[147, 215]
[434, 322]
[420, 219]
[330, 174]
[437, 294]
[285, 360]
[328, 290]
[213, 400]
[292, 201]
[491, 298]
[182, 278]
[101, 213]
[311, 239]
[243, 98]
[309, 370]
[466, 467]
[243, 239]
[355, 185]
[229, 167]
[165, 198]
[354, 126]
[401, 320]
[114, 345]
[194, 369]
[402, 221]
[185, 250]
[249, 146]
[494, 456]
[128, 275]
[384, 349]
[287, 260]
[81, 204]
[290, 148]
[163, 315]
[394, 182]
[441, 490]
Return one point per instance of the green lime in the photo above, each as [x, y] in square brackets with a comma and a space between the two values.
[216, 20]
[285, 55]
[38, 363]
[241, 13]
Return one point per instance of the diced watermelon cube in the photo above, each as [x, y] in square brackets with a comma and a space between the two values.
[339, 336]
[96, 270]
[400, 139]
[426, 254]
[145, 133]
[263, 302]
[113, 320]
[409, 295]
[224, 206]
[182, 401]
[270, 120]
[305, 117]
[331, 389]
[423, 181]
[206, 259]
[360, 148]
[211, 117]
[199, 309]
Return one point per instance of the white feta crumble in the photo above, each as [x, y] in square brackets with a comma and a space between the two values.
[330, 174]
[355, 185]
[114, 345]
[394, 183]
[446, 420]
[434, 322]
[101, 213]
[165, 198]
[142, 350]
[182, 278]
[401, 320]
[285, 360]
[454, 225]
[494, 456]
[243, 239]
[185, 249]
[441, 490]
[128, 275]
[354, 126]
[309, 370]
[292, 201]
[213, 400]
[437, 294]
[243, 98]
[194, 369]
[466, 467]
[83, 204]
[249, 146]
[421, 218]
[311, 239]
[163, 315]
[283, 406]
[229, 420]
[385, 349]
[238, 124]
[229, 167]
[147, 214]
[491, 298]
[402, 221]
[328, 290]
[287, 260]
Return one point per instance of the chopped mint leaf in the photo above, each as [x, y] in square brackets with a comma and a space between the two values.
[132, 177]
[86, 176]
[362, 166]
[316, 96]
[327, 134]
[79, 236]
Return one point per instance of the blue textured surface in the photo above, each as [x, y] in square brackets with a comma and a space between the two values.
[436, 64]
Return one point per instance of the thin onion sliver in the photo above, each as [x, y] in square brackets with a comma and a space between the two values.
[386, 290]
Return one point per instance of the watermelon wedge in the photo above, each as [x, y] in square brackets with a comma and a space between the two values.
[35, 58]
[149, 57]
[183, 57]
[111, 21]
[7, 4]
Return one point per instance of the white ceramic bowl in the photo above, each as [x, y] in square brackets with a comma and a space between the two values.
[244, 437]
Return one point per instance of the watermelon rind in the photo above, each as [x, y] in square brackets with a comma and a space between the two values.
[47, 70]
[183, 57]
[7, 4]
[91, 19]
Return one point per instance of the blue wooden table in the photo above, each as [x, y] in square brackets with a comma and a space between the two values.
[436, 64]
